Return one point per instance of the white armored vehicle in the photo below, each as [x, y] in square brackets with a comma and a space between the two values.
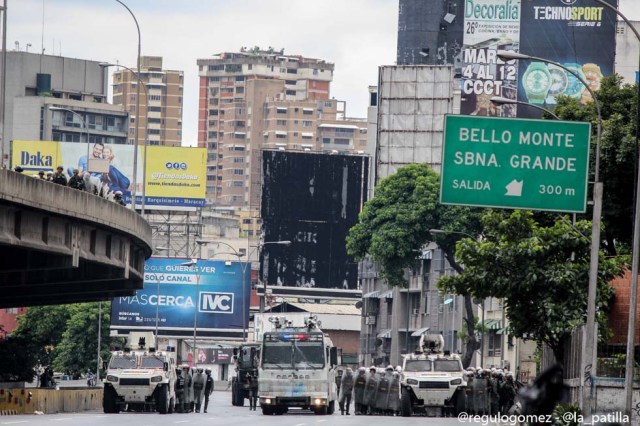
[140, 378]
[433, 380]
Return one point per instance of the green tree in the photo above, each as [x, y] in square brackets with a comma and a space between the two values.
[42, 327]
[77, 351]
[394, 225]
[540, 271]
[618, 155]
[17, 360]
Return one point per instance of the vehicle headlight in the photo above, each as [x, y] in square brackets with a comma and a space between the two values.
[456, 382]
[412, 382]
[267, 400]
[156, 379]
[318, 401]
[111, 378]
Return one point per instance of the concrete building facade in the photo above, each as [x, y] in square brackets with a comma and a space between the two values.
[627, 46]
[255, 99]
[159, 120]
[36, 82]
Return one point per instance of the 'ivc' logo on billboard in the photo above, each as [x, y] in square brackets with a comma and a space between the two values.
[216, 303]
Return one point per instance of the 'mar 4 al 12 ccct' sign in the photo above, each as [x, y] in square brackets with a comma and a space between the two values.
[515, 163]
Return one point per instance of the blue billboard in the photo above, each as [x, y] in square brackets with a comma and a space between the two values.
[177, 292]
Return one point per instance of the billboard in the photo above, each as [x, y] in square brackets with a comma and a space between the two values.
[175, 176]
[311, 200]
[175, 295]
[579, 34]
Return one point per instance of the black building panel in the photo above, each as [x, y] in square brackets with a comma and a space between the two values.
[312, 200]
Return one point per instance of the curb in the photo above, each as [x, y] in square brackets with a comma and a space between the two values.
[8, 412]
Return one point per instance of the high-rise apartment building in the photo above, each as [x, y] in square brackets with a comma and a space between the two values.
[254, 99]
[160, 115]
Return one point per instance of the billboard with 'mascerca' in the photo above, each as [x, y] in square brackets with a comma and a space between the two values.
[175, 177]
[178, 296]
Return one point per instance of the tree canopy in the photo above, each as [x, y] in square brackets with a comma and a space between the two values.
[618, 155]
[395, 224]
[64, 337]
[540, 271]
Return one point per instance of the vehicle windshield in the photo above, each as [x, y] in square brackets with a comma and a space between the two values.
[123, 361]
[448, 366]
[412, 365]
[283, 351]
[151, 362]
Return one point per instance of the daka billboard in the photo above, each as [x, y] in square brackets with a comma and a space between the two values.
[175, 176]
[311, 200]
[578, 34]
[213, 293]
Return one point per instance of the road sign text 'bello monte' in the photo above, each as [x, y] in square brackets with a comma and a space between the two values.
[514, 163]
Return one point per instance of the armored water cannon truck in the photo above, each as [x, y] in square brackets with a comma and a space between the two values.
[433, 380]
[140, 378]
[297, 368]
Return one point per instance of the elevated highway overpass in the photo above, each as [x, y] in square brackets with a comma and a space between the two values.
[60, 245]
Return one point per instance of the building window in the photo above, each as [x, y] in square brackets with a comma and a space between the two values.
[154, 97]
[494, 344]
[212, 145]
[153, 131]
[307, 111]
[240, 89]
[290, 82]
[238, 183]
[280, 136]
[292, 71]
[238, 172]
[238, 148]
[341, 141]
[238, 160]
[155, 109]
[326, 140]
[281, 122]
[155, 120]
[291, 92]
[240, 78]
[281, 110]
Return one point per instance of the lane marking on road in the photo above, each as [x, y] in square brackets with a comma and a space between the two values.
[64, 418]
[14, 423]
[300, 424]
[321, 421]
[182, 421]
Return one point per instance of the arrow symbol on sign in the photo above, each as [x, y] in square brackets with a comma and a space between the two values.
[514, 189]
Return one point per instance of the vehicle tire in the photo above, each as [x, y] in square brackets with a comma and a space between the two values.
[267, 411]
[321, 411]
[233, 393]
[109, 400]
[279, 410]
[405, 404]
[172, 406]
[332, 407]
[459, 402]
[162, 401]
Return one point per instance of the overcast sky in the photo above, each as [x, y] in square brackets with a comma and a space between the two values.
[356, 35]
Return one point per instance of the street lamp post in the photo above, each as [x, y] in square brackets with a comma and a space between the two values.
[589, 358]
[631, 330]
[500, 100]
[136, 143]
[146, 125]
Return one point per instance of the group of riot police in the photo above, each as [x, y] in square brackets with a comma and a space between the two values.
[191, 387]
[501, 388]
[375, 392]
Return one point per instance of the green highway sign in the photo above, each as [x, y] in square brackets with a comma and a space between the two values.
[515, 163]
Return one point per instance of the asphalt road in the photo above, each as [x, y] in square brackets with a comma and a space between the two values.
[220, 413]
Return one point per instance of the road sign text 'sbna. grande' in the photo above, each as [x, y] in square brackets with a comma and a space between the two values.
[514, 163]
